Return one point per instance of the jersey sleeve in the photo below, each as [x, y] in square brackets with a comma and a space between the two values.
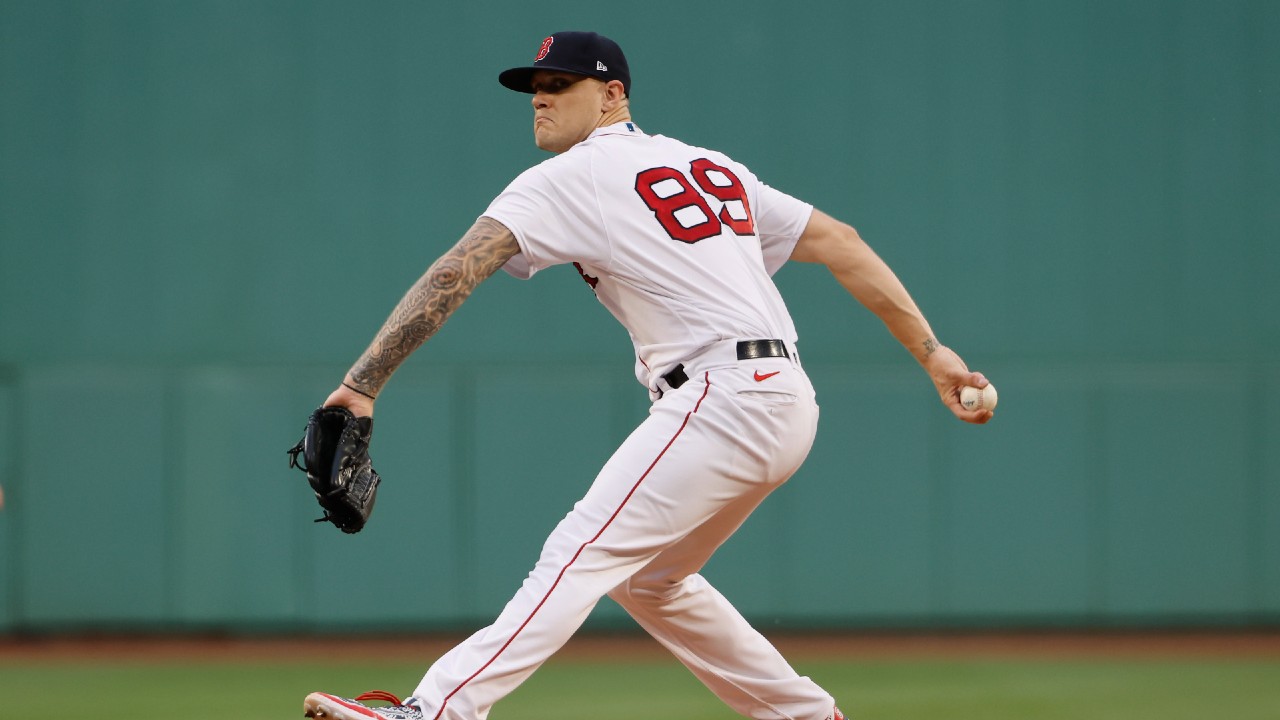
[780, 220]
[543, 217]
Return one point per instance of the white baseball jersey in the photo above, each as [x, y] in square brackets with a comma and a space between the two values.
[677, 241]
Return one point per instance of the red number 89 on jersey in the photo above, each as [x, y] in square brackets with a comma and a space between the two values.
[684, 212]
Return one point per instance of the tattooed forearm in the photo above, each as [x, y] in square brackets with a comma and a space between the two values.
[930, 347]
[432, 299]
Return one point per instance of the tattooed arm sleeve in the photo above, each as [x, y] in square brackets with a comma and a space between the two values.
[432, 299]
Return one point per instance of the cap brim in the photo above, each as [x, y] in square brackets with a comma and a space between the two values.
[520, 79]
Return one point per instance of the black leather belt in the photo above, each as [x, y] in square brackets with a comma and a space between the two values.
[747, 350]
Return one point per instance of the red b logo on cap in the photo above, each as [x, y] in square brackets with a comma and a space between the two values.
[546, 48]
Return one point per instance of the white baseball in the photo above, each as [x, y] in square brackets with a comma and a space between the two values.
[972, 398]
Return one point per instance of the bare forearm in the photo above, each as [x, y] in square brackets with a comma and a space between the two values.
[430, 302]
[868, 279]
[874, 284]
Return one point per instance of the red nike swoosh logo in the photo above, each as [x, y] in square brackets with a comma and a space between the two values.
[766, 376]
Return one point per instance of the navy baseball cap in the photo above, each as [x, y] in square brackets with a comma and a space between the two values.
[583, 53]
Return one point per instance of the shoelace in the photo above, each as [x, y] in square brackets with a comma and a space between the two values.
[380, 695]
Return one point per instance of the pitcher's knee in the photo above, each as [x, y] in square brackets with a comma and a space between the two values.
[653, 590]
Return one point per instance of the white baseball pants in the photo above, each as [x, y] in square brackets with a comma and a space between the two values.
[675, 490]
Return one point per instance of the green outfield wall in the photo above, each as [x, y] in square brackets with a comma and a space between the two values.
[208, 208]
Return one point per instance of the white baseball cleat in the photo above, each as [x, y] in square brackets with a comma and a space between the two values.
[331, 707]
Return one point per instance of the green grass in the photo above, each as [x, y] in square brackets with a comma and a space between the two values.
[576, 689]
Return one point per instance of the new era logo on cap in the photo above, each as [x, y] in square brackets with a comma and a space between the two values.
[582, 53]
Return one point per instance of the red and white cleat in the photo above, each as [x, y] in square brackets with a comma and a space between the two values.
[331, 707]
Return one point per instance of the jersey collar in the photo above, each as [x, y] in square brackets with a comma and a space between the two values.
[625, 127]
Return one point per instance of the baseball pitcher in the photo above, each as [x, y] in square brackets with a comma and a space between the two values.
[679, 243]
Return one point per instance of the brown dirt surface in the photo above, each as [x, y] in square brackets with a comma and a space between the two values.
[633, 647]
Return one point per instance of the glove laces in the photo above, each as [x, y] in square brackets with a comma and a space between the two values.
[293, 454]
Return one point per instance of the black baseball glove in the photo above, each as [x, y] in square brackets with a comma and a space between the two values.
[335, 452]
